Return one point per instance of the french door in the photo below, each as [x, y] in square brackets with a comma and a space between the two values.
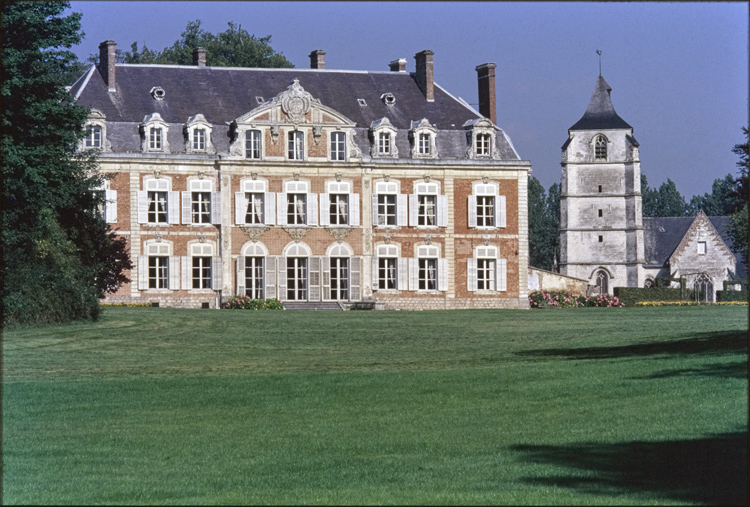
[296, 278]
[340, 278]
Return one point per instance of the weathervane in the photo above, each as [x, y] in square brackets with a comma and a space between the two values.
[599, 52]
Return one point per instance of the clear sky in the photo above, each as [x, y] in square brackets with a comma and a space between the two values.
[678, 71]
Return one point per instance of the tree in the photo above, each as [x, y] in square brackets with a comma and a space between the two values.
[665, 202]
[738, 223]
[544, 224]
[722, 200]
[59, 254]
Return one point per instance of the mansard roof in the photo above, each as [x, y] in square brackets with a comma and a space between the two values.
[600, 115]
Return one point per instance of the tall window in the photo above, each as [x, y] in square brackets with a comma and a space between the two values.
[252, 144]
[155, 138]
[201, 207]
[485, 211]
[93, 136]
[255, 205]
[339, 278]
[600, 148]
[387, 274]
[424, 144]
[339, 209]
[296, 206]
[482, 147]
[338, 146]
[254, 280]
[296, 278]
[386, 209]
[384, 143]
[428, 274]
[486, 274]
[199, 139]
[602, 282]
[157, 207]
[201, 272]
[158, 272]
[296, 145]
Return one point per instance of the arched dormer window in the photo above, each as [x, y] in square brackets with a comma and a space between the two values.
[383, 139]
[154, 132]
[96, 132]
[600, 148]
[482, 139]
[423, 137]
[198, 135]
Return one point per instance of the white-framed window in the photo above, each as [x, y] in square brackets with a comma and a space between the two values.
[255, 205]
[155, 138]
[383, 138]
[158, 268]
[95, 132]
[338, 146]
[483, 145]
[486, 208]
[200, 204]
[340, 271]
[157, 204]
[199, 140]
[296, 145]
[423, 135]
[384, 143]
[339, 206]
[428, 272]
[482, 139]
[253, 144]
[701, 248]
[297, 205]
[427, 208]
[390, 208]
[154, 132]
[424, 144]
[93, 136]
[158, 272]
[256, 272]
[389, 271]
[600, 148]
[295, 272]
[198, 135]
[485, 271]
[201, 270]
[107, 209]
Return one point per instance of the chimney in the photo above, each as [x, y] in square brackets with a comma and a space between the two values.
[199, 57]
[398, 65]
[424, 74]
[107, 63]
[318, 59]
[486, 82]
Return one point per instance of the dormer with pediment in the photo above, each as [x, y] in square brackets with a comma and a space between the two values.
[154, 130]
[423, 138]
[383, 135]
[482, 139]
[293, 126]
[198, 135]
[96, 133]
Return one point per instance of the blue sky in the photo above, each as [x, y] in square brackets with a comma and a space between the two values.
[678, 71]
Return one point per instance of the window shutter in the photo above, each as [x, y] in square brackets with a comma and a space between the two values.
[216, 208]
[375, 280]
[312, 209]
[216, 273]
[355, 279]
[402, 210]
[186, 208]
[174, 273]
[185, 273]
[354, 209]
[325, 272]
[374, 209]
[240, 207]
[270, 277]
[142, 207]
[142, 272]
[472, 211]
[281, 212]
[442, 211]
[413, 274]
[471, 275]
[325, 209]
[501, 274]
[173, 216]
[110, 208]
[442, 265]
[413, 210]
[403, 273]
[313, 276]
[281, 279]
[500, 211]
[269, 208]
[241, 275]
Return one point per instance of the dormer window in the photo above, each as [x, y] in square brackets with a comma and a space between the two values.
[154, 134]
[424, 144]
[423, 137]
[482, 146]
[600, 148]
[93, 136]
[199, 139]
[154, 138]
[384, 143]
[383, 138]
[296, 145]
[482, 139]
[198, 135]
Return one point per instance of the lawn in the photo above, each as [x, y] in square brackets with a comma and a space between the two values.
[582, 406]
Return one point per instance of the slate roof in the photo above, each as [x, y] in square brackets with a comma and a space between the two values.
[600, 114]
[223, 94]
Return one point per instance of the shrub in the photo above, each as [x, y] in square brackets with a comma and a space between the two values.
[731, 295]
[241, 302]
[632, 295]
[564, 299]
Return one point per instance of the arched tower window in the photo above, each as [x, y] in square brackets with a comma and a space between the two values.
[602, 282]
[600, 148]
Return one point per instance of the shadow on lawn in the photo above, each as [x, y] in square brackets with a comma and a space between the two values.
[710, 470]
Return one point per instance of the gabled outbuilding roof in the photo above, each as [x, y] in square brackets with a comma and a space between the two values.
[600, 114]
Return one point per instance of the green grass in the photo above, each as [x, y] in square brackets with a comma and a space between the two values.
[586, 406]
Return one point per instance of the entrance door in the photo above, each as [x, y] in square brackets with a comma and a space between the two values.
[340, 278]
[296, 278]
[704, 288]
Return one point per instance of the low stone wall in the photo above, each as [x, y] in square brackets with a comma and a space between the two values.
[196, 301]
[540, 279]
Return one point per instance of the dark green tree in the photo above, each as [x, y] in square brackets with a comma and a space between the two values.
[59, 255]
[648, 198]
[553, 205]
[543, 227]
[738, 224]
[723, 199]
[665, 202]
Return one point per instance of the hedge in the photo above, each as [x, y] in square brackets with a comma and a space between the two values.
[632, 295]
[731, 295]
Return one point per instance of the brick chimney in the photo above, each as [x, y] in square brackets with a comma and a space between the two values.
[424, 74]
[199, 57]
[107, 63]
[486, 82]
[398, 65]
[318, 59]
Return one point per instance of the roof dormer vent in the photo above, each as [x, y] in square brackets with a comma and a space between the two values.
[388, 98]
[158, 93]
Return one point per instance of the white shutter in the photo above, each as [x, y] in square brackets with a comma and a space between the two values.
[442, 211]
[374, 209]
[325, 272]
[142, 207]
[313, 277]
[500, 211]
[216, 273]
[402, 210]
[471, 275]
[413, 274]
[174, 273]
[216, 208]
[375, 280]
[281, 212]
[403, 273]
[281, 278]
[173, 215]
[270, 277]
[185, 273]
[501, 274]
[240, 207]
[442, 265]
[186, 208]
[413, 210]
[354, 209]
[355, 279]
[312, 209]
[269, 208]
[240, 275]
[325, 209]
[110, 208]
[472, 211]
[142, 272]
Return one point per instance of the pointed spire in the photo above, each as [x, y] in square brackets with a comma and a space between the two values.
[600, 115]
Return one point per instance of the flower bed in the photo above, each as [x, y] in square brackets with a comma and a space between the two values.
[563, 299]
[245, 303]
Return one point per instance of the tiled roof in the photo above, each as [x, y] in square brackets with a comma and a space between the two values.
[600, 114]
